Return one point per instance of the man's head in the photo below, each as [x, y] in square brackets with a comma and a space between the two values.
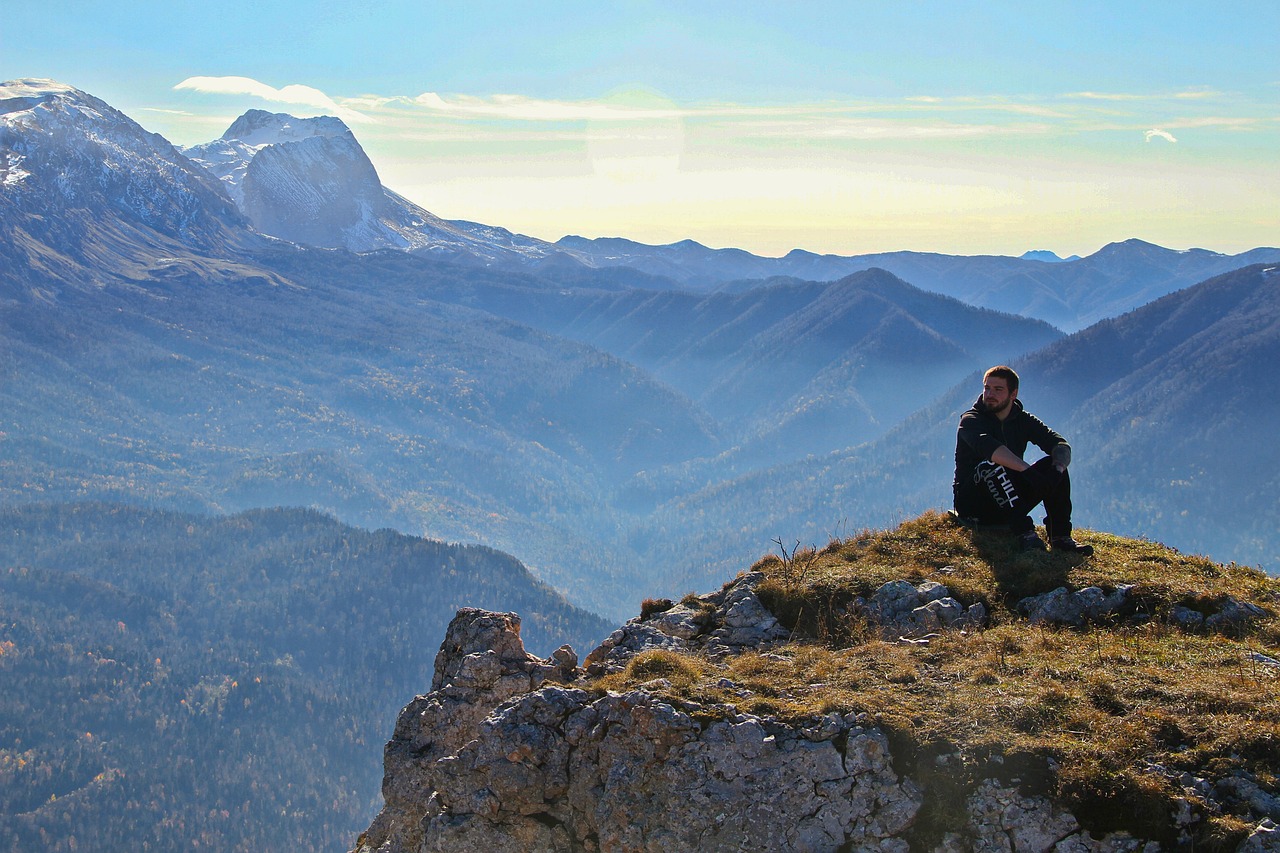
[999, 390]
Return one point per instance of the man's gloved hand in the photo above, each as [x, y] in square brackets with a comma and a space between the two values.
[1061, 456]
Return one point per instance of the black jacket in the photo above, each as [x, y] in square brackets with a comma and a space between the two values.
[981, 432]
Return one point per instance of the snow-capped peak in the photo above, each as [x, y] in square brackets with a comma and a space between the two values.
[30, 102]
[62, 149]
[309, 181]
[30, 87]
[259, 127]
[228, 156]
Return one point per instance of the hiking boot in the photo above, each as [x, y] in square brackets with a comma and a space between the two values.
[1031, 541]
[1071, 546]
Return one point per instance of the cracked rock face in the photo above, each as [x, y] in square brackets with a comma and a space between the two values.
[578, 773]
[502, 755]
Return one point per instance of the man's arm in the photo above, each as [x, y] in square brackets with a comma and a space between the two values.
[1041, 435]
[1006, 457]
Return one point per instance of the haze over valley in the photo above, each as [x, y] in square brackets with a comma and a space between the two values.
[570, 403]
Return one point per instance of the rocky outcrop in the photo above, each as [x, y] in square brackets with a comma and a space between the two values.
[1093, 605]
[722, 623]
[504, 754]
[733, 620]
[481, 664]
[1002, 819]
[901, 609]
[1076, 608]
[510, 752]
[562, 770]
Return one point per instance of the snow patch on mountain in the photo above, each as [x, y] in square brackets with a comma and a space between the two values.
[62, 148]
[11, 171]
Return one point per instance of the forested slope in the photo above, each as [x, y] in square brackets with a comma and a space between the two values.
[174, 681]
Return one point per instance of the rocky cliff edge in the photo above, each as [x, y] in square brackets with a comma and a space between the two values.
[712, 725]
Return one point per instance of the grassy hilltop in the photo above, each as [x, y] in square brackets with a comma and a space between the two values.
[1123, 721]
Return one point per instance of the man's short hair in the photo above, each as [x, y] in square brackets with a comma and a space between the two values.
[1003, 371]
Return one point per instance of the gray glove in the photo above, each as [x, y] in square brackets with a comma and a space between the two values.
[1061, 455]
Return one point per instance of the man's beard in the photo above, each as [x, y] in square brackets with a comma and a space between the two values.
[1003, 410]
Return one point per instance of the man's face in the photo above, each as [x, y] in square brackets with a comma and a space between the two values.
[996, 395]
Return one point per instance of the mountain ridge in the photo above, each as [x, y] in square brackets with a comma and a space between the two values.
[90, 196]
[1070, 294]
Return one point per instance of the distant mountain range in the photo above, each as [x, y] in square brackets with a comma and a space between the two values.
[567, 402]
[1071, 294]
[309, 182]
[1046, 256]
[1170, 408]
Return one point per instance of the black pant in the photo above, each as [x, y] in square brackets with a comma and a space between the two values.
[1007, 497]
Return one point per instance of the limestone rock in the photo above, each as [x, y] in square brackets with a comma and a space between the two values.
[1233, 615]
[1064, 607]
[500, 757]
[1186, 618]
[1265, 838]
[627, 642]
[725, 622]
[1003, 820]
[482, 662]
[902, 609]
[1246, 793]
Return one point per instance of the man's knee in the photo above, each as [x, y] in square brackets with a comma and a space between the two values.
[1043, 479]
[1000, 486]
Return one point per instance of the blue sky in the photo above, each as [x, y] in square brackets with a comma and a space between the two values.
[851, 127]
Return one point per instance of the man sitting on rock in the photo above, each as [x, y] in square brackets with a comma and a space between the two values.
[993, 485]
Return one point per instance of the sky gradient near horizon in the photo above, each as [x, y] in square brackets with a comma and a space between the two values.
[842, 127]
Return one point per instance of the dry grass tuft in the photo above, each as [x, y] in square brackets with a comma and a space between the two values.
[650, 606]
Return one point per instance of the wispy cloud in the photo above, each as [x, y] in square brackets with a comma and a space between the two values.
[886, 128]
[520, 108]
[988, 103]
[919, 117]
[466, 116]
[1228, 122]
[641, 109]
[1106, 96]
[295, 94]
[1194, 94]
[1157, 133]
[1185, 95]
